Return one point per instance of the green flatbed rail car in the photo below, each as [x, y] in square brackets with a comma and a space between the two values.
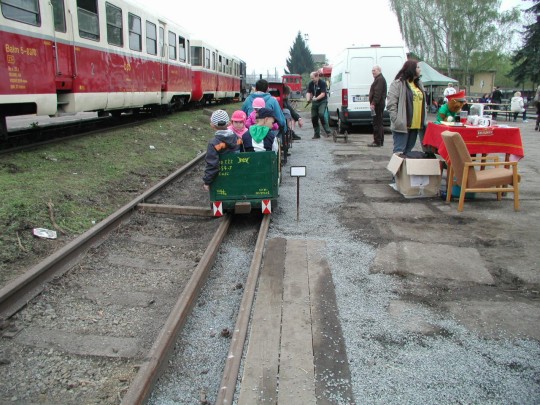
[246, 181]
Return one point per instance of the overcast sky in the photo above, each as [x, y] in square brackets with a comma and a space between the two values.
[262, 33]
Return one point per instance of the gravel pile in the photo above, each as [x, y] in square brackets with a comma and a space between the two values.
[390, 364]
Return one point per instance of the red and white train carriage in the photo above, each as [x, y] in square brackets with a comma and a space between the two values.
[206, 60]
[104, 55]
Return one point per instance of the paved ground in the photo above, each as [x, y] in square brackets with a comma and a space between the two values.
[483, 263]
[456, 322]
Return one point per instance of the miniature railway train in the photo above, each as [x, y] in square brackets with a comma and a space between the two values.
[246, 181]
[114, 56]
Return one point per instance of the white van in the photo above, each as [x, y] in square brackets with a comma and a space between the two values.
[348, 103]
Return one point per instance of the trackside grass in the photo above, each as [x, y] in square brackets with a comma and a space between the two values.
[83, 181]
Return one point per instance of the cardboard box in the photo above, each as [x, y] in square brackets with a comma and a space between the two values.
[416, 177]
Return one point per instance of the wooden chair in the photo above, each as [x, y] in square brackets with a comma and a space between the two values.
[501, 178]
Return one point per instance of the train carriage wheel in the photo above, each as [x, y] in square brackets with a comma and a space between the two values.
[3, 128]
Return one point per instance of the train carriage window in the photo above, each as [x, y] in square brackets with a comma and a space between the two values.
[135, 32]
[196, 56]
[115, 27]
[59, 15]
[25, 11]
[87, 14]
[151, 38]
[182, 49]
[172, 45]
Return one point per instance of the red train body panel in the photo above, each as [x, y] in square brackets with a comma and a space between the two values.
[98, 55]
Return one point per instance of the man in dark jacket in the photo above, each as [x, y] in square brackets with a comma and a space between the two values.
[496, 98]
[316, 94]
[377, 99]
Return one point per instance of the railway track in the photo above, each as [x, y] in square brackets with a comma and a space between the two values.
[96, 322]
[36, 135]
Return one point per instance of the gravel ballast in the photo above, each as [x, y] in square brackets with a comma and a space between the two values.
[399, 353]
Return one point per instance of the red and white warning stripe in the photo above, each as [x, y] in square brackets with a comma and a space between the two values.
[217, 206]
[266, 206]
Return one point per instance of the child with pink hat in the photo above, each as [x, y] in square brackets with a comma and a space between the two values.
[238, 123]
[258, 103]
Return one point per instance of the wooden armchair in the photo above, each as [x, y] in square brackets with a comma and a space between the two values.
[501, 178]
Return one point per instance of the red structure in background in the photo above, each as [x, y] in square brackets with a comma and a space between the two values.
[325, 71]
[295, 83]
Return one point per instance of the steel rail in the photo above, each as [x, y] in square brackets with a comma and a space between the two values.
[88, 127]
[141, 387]
[17, 293]
[232, 365]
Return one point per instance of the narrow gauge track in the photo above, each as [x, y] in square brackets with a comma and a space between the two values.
[93, 322]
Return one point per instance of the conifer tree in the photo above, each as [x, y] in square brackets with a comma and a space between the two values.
[300, 60]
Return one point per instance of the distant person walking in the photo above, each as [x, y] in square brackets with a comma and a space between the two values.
[317, 94]
[377, 101]
[496, 98]
[449, 91]
[406, 103]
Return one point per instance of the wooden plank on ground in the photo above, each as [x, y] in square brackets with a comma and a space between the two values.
[175, 209]
[260, 378]
[296, 369]
[332, 373]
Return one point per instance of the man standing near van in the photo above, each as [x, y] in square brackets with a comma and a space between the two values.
[377, 100]
[316, 93]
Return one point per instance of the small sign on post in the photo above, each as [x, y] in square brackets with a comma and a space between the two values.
[298, 171]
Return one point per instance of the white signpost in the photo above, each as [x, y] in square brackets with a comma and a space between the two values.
[298, 171]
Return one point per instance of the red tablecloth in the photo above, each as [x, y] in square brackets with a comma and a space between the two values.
[478, 139]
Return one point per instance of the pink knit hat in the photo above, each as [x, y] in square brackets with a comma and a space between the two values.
[238, 115]
[259, 103]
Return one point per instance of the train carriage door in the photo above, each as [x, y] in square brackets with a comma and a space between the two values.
[162, 57]
[63, 53]
[117, 64]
